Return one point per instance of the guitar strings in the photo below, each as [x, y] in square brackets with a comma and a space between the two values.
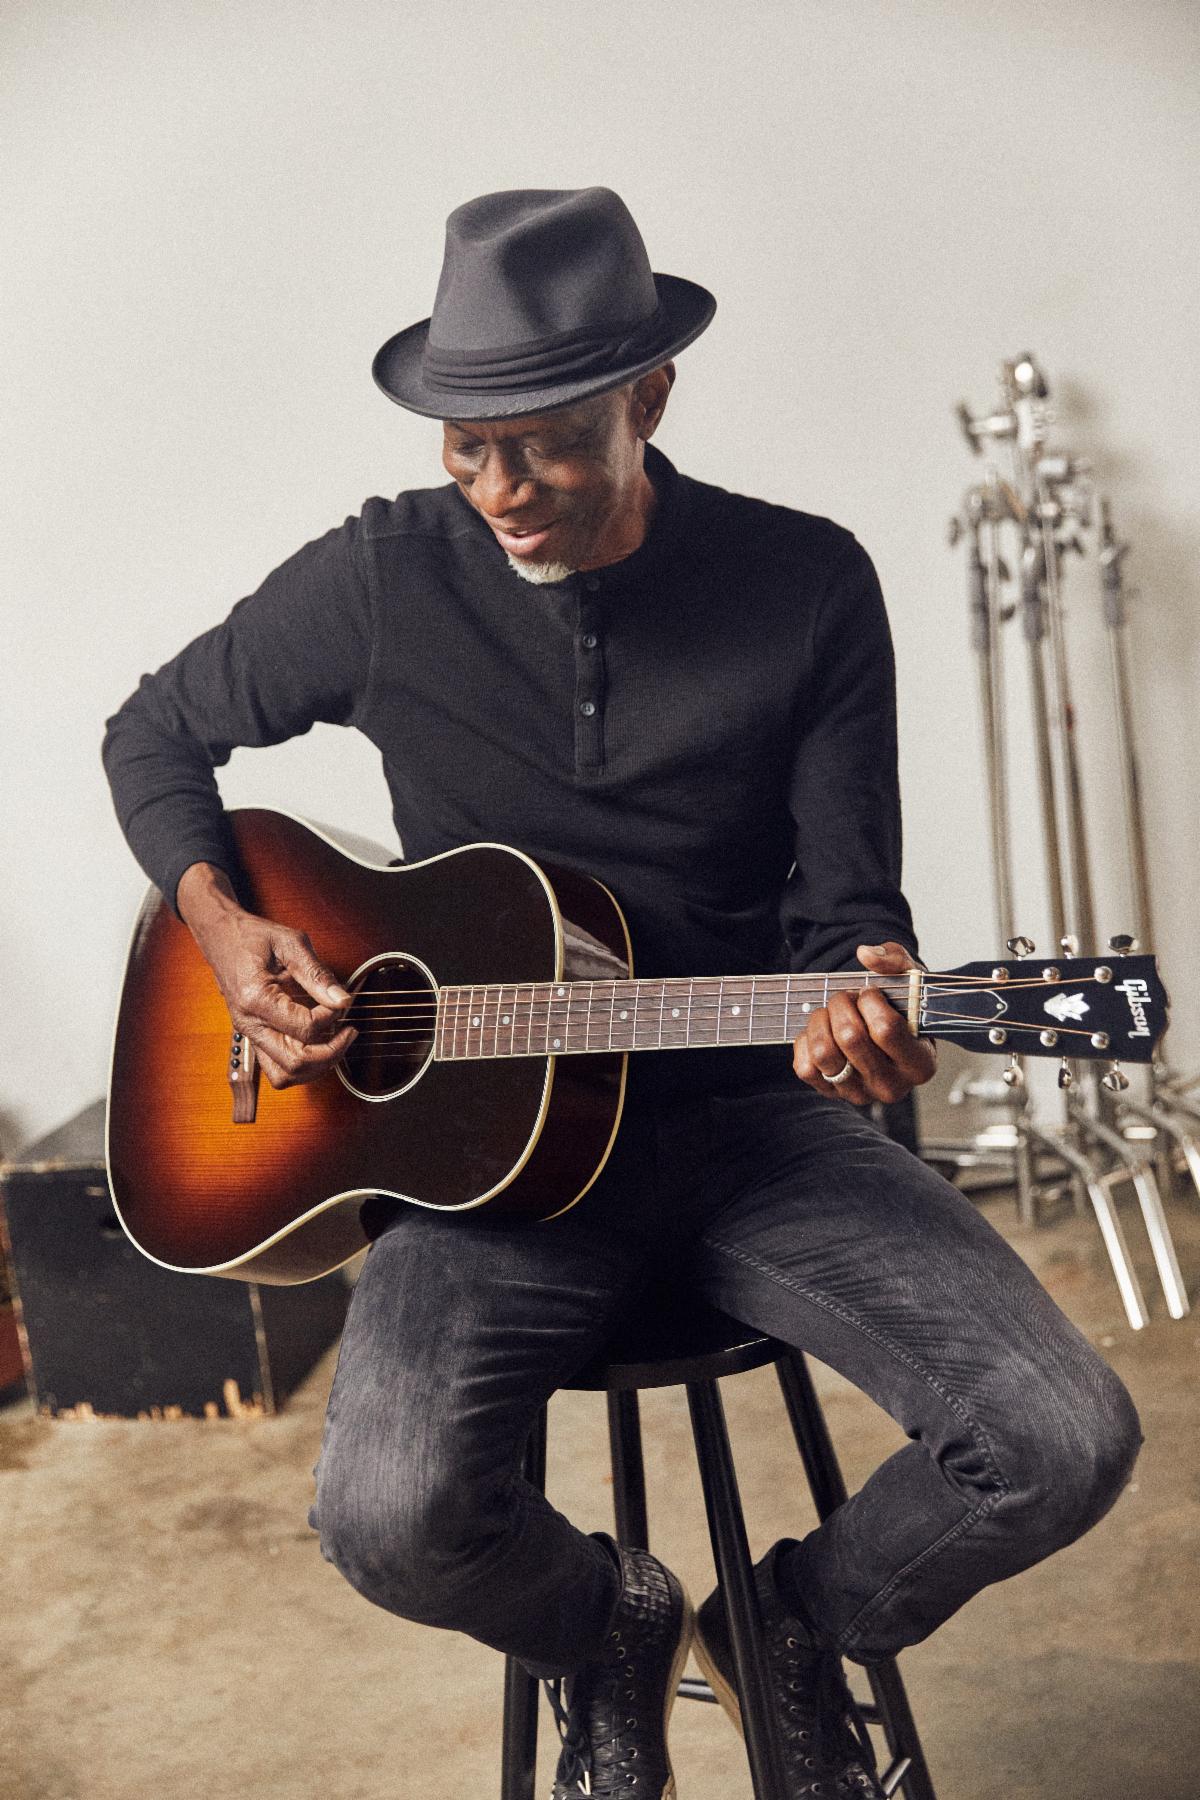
[401, 1034]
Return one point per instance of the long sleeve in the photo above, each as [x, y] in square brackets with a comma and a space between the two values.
[295, 652]
[843, 792]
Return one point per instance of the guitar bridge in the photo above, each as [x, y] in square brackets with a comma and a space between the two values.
[242, 1070]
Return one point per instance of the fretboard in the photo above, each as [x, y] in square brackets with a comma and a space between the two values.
[681, 1013]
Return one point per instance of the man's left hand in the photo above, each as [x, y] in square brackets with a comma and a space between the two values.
[865, 1031]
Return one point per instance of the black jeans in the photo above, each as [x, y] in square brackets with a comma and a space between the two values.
[796, 1215]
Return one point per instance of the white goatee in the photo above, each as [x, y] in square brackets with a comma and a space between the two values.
[539, 571]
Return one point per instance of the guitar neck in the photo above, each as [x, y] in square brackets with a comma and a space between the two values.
[677, 1013]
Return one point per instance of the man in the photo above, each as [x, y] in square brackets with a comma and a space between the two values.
[574, 649]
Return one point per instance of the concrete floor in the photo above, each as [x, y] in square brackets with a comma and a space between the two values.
[171, 1630]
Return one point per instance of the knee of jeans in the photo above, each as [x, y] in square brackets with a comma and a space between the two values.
[415, 1549]
[1074, 1471]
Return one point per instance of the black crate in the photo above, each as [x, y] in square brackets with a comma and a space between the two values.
[106, 1329]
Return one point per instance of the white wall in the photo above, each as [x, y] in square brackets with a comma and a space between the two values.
[215, 212]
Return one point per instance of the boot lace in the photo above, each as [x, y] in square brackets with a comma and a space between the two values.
[829, 1737]
[596, 1721]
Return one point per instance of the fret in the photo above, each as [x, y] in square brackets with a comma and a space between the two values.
[511, 1020]
[612, 1007]
[687, 1030]
[750, 1026]
[529, 1021]
[825, 1000]
[662, 1002]
[458, 998]
[720, 1006]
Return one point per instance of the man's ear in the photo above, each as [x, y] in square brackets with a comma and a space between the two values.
[650, 394]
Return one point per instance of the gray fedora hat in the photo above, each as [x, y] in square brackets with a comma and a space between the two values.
[545, 297]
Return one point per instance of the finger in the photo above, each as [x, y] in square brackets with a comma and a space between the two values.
[816, 1057]
[881, 1079]
[303, 1061]
[815, 1051]
[888, 958]
[274, 1072]
[298, 957]
[890, 1032]
[281, 1004]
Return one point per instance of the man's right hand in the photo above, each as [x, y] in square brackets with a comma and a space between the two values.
[279, 995]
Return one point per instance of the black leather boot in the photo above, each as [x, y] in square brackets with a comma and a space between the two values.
[613, 1713]
[827, 1748]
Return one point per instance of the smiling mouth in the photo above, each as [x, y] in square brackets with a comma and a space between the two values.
[524, 540]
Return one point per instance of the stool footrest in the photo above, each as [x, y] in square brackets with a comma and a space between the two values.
[693, 1688]
[894, 1774]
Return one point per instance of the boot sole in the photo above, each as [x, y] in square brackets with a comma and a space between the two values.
[726, 1694]
[687, 1629]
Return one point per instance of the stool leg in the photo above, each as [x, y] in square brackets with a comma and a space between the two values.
[629, 1470]
[811, 1433]
[731, 1553]
[518, 1743]
[824, 1474]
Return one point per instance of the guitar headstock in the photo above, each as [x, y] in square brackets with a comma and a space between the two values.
[1091, 1007]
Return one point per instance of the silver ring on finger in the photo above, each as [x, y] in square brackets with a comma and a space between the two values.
[842, 1075]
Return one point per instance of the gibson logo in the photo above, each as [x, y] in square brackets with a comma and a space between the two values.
[1138, 995]
[1066, 1006]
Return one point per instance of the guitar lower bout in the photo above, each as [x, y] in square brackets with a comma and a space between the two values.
[408, 1118]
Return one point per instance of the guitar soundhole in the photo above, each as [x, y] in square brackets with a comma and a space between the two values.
[394, 1013]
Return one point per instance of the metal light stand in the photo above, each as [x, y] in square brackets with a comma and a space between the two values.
[1046, 502]
[1169, 1111]
[985, 508]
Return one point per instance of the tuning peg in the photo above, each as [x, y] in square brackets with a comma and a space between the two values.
[1013, 1075]
[1069, 945]
[1114, 1079]
[1065, 1078]
[1020, 946]
[1122, 944]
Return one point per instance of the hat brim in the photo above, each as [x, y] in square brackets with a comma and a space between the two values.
[686, 309]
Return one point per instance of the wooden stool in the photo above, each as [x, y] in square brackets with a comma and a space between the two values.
[680, 1343]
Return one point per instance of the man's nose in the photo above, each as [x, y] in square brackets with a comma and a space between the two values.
[501, 486]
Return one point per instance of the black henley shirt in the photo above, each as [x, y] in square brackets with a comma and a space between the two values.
[707, 725]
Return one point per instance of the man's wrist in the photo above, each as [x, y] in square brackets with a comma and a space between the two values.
[204, 897]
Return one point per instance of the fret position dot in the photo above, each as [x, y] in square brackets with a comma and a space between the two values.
[807, 1007]
[477, 1020]
[623, 1015]
[674, 1012]
[560, 992]
[506, 1020]
[558, 1043]
[736, 1011]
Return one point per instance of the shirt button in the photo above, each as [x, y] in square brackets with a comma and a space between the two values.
[587, 708]
[589, 640]
[592, 584]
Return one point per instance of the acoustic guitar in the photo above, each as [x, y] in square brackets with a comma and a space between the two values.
[496, 1007]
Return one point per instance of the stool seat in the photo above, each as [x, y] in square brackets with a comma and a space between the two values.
[675, 1338]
